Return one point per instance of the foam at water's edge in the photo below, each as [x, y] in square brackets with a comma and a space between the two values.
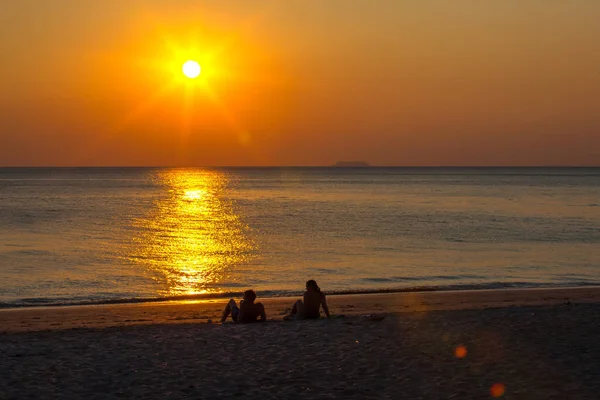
[54, 302]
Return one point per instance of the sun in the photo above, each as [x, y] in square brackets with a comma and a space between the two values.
[191, 69]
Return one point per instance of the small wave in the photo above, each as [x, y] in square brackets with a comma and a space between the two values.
[57, 302]
[423, 278]
[32, 252]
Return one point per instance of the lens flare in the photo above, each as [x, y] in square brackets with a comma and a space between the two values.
[497, 390]
[460, 352]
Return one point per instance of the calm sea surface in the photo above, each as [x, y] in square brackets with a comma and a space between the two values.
[70, 236]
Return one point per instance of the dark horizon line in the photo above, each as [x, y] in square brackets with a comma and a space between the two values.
[300, 166]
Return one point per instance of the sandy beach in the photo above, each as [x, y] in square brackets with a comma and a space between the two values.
[513, 344]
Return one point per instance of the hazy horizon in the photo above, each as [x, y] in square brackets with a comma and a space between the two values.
[308, 166]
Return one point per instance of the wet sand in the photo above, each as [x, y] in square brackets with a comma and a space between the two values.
[517, 344]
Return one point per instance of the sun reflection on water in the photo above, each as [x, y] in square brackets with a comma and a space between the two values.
[193, 239]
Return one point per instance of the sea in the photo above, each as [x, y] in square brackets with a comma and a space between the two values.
[108, 235]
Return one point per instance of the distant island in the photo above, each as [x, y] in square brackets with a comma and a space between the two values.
[351, 164]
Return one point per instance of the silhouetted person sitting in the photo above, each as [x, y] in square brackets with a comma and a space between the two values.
[313, 300]
[248, 311]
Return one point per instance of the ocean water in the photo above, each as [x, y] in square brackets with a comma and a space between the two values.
[93, 235]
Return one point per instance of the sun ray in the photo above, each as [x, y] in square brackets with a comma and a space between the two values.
[144, 107]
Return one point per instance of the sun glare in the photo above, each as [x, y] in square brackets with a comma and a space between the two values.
[195, 77]
[191, 69]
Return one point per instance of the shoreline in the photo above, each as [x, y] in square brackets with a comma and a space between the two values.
[99, 316]
[282, 295]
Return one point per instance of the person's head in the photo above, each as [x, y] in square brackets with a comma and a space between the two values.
[312, 285]
[249, 296]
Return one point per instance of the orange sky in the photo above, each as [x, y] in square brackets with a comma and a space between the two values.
[392, 82]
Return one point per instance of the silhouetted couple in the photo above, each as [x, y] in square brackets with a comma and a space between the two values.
[249, 311]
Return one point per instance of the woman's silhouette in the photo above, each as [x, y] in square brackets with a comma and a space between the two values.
[310, 307]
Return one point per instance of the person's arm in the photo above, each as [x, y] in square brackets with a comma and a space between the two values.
[324, 304]
[263, 314]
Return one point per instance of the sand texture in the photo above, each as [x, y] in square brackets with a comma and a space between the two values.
[547, 351]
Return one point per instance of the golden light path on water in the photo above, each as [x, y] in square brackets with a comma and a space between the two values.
[193, 239]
